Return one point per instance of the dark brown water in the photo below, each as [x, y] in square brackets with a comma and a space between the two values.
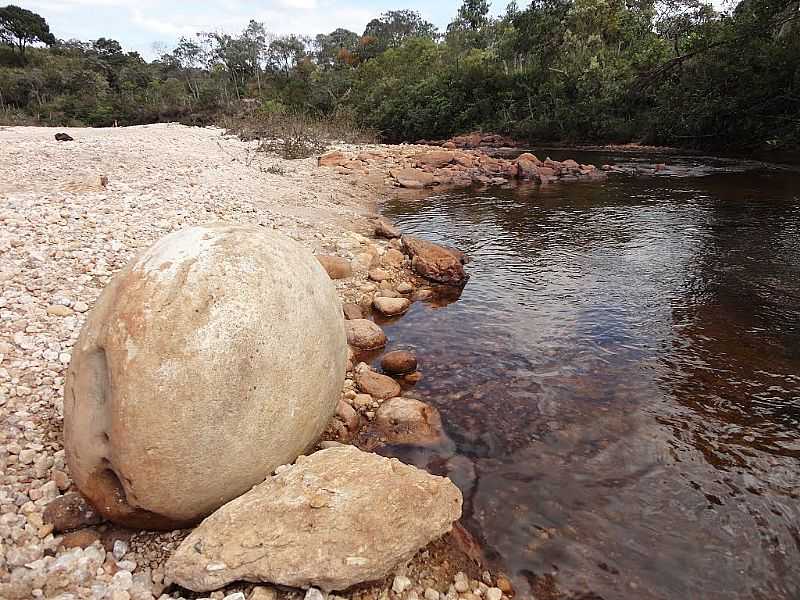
[621, 379]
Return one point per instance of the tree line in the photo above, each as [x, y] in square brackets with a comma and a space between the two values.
[674, 72]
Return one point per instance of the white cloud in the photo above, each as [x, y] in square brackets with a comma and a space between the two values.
[138, 24]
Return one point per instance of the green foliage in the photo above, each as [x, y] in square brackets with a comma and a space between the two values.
[671, 72]
[20, 27]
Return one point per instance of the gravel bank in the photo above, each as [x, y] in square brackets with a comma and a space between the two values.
[74, 213]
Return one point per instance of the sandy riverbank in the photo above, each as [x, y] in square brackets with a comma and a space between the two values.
[74, 213]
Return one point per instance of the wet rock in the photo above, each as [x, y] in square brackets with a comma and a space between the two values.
[391, 307]
[335, 519]
[435, 262]
[399, 362]
[383, 228]
[352, 311]
[376, 385]
[413, 378]
[63, 137]
[336, 266]
[409, 421]
[71, 511]
[363, 334]
[201, 317]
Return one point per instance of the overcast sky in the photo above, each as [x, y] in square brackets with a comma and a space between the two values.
[137, 24]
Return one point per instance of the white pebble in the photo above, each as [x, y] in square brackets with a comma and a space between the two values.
[494, 593]
[400, 584]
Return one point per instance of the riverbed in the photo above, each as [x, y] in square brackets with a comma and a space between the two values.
[620, 378]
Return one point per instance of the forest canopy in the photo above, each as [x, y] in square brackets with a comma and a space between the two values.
[674, 72]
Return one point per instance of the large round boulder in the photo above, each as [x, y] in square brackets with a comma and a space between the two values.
[215, 356]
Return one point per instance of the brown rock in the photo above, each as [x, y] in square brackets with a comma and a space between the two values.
[71, 511]
[364, 334]
[527, 169]
[348, 416]
[384, 228]
[435, 262]
[376, 385]
[412, 178]
[336, 266]
[378, 275]
[59, 310]
[332, 159]
[530, 157]
[436, 159]
[399, 362]
[393, 258]
[352, 311]
[335, 519]
[82, 538]
[409, 421]
[504, 583]
[391, 307]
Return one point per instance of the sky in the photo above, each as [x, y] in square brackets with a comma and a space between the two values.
[139, 24]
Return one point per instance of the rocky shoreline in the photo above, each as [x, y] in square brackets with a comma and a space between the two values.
[76, 212]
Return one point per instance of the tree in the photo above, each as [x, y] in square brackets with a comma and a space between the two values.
[470, 27]
[20, 27]
[337, 47]
[394, 27]
[474, 13]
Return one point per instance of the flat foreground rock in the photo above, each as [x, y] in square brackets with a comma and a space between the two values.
[335, 519]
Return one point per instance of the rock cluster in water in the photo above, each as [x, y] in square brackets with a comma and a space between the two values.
[418, 168]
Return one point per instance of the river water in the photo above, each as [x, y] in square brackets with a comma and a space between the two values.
[620, 378]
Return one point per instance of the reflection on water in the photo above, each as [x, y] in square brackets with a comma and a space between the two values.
[621, 378]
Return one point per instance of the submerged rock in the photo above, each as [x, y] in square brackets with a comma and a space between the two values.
[213, 357]
[409, 421]
[435, 262]
[399, 362]
[335, 519]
